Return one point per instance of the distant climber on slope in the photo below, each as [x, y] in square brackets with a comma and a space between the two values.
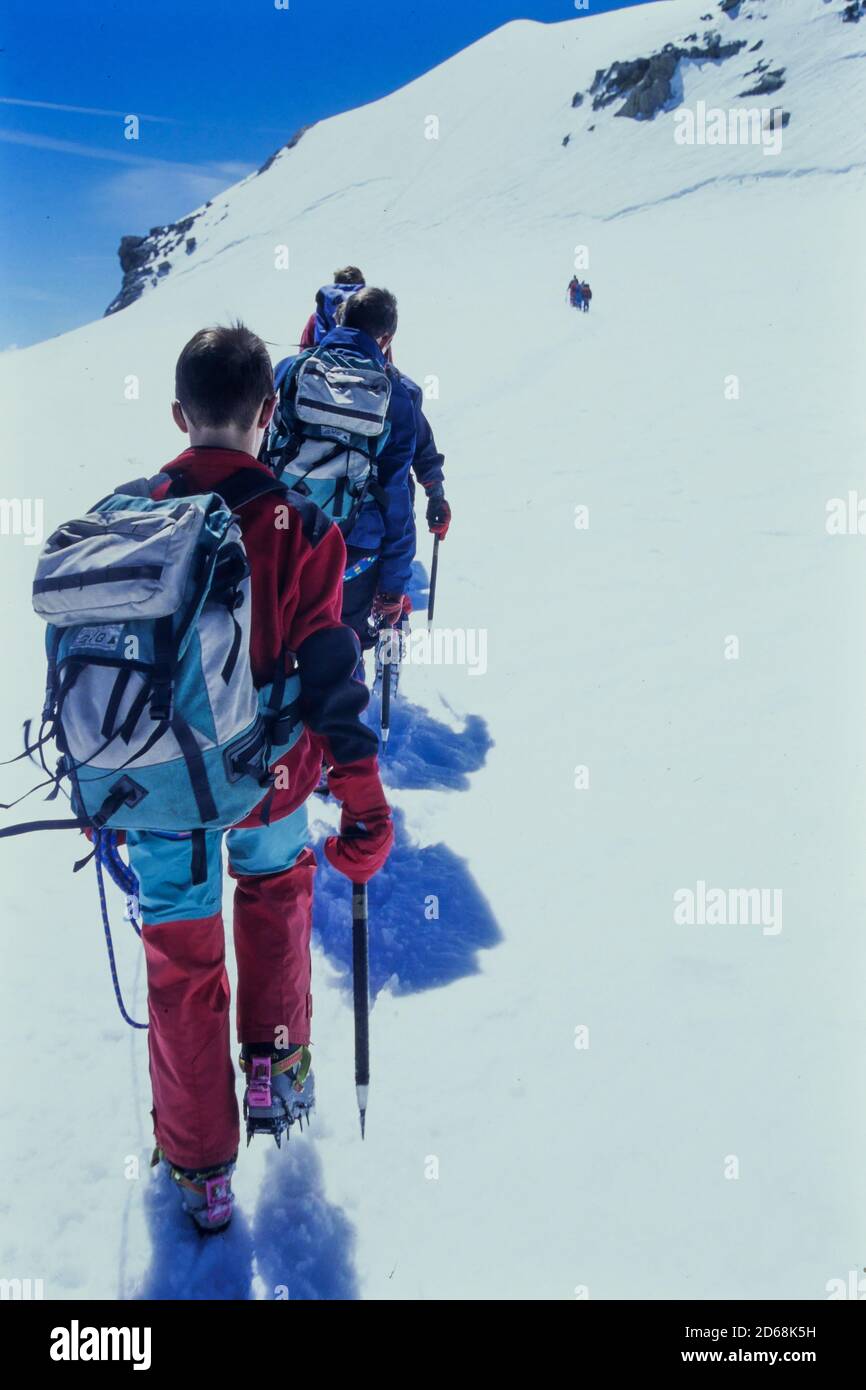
[578, 294]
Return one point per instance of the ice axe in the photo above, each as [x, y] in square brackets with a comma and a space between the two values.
[385, 720]
[389, 653]
[361, 990]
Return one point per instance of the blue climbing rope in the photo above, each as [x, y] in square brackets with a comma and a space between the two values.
[107, 856]
[124, 877]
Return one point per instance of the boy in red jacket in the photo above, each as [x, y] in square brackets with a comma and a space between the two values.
[225, 398]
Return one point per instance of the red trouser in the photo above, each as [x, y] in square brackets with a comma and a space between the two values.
[195, 1107]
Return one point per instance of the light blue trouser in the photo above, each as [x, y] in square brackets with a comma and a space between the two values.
[162, 863]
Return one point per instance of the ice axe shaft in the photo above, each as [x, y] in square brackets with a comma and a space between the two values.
[434, 569]
[361, 989]
[385, 719]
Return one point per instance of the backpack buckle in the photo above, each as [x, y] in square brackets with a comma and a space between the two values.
[248, 756]
[160, 702]
[50, 702]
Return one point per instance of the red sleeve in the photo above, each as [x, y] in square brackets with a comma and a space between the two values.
[315, 598]
[327, 651]
[308, 337]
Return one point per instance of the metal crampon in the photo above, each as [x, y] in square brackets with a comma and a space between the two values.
[280, 1090]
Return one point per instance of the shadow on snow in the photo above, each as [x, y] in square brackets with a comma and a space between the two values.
[408, 949]
[186, 1265]
[302, 1245]
[428, 919]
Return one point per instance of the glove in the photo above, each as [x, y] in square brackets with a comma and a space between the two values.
[438, 512]
[388, 609]
[366, 828]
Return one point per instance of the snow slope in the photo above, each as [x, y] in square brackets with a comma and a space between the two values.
[503, 1161]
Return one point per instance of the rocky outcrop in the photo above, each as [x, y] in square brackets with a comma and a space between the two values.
[646, 85]
[732, 8]
[289, 145]
[143, 259]
[770, 82]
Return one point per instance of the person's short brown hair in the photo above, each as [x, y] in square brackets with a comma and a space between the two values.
[373, 311]
[349, 275]
[223, 376]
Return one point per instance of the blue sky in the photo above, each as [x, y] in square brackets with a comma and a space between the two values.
[218, 84]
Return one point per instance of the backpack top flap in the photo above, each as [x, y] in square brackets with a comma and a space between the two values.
[342, 396]
[129, 558]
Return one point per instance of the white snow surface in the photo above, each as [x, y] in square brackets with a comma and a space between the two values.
[708, 1141]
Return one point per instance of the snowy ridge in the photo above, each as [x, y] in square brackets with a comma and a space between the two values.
[502, 1160]
[540, 67]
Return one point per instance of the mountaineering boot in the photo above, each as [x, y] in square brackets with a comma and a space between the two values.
[206, 1193]
[280, 1088]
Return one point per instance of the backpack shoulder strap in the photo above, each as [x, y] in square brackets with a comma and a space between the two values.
[291, 373]
[289, 381]
[236, 490]
[245, 486]
[288, 368]
[139, 487]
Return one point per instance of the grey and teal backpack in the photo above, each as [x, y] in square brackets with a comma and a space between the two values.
[150, 698]
[329, 427]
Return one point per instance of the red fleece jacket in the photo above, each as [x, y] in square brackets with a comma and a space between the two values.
[297, 560]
